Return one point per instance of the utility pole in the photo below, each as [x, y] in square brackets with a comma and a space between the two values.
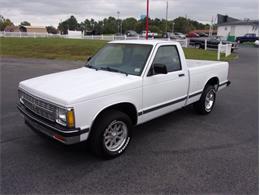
[147, 20]
[118, 13]
[173, 23]
[166, 16]
[211, 28]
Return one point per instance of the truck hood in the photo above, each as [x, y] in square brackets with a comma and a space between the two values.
[69, 87]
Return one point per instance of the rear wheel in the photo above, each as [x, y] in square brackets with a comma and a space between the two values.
[110, 134]
[207, 100]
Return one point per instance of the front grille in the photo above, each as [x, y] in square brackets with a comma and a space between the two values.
[38, 106]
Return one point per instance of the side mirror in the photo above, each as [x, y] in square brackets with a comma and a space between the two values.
[160, 69]
[89, 58]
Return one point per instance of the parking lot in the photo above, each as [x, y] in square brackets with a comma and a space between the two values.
[181, 152]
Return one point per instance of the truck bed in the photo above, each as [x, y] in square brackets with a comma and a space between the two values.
[200, 63]
[200, 71]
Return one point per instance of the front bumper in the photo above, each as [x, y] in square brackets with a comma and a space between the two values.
[62, 134]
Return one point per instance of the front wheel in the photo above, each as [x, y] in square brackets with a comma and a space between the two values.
[207, 100]
[110, 134]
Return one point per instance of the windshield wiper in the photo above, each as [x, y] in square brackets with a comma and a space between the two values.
[113, 70]
[92, 67]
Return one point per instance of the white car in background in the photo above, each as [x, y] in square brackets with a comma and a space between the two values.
[180, 35]
[150, 34]
[256, 43]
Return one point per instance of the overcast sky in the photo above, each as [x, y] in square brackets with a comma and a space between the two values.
[51, 12]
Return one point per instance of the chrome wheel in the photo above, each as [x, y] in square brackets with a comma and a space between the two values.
[115, 135]
[209, 100]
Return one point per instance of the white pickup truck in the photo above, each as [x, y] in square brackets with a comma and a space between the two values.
[125, 84]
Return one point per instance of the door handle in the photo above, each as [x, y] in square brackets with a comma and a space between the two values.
[181, 75]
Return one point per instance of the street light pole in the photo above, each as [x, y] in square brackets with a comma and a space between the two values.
[173, 23]
[166, 16]
[118, 13]
[147, 16]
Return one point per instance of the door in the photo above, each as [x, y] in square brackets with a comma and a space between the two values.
[164, 93]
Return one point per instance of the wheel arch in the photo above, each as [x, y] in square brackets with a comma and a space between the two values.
[214, 81]
[125, 107]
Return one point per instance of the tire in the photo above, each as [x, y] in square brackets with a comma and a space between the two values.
[104, 134]
[207, 100]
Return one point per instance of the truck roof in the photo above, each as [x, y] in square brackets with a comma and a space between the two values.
[143, 42]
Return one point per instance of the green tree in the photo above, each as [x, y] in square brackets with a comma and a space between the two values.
[72, 23]
[69, 24]
[129, 24]
[25, 23]
[110, 25]
[51, 30]
[63, 27]
[4, 23]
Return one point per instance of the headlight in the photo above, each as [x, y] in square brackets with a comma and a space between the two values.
[65, 117]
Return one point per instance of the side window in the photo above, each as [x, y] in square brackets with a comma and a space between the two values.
[169, 56]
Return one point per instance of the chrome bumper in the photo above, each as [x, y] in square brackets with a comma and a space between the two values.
[57, 132]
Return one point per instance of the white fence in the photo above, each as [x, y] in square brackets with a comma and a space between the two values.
[224, 49]
[28, 34]
[183, 42]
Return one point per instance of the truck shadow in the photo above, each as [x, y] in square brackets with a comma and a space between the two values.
[81, 151]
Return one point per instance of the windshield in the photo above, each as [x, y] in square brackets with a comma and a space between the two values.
[122, 58]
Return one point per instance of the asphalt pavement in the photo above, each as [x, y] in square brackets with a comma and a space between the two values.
[181, 152]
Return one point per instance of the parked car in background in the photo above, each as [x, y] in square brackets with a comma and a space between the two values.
[201, 34]
[192, 34]
[249, 37]
[180, 35]
[150, 34]
[131, 33]
[169, 35]
[212, 42]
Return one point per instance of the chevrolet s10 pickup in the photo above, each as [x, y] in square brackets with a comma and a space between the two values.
[124, 84]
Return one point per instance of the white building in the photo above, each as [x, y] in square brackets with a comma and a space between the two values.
[228, 26]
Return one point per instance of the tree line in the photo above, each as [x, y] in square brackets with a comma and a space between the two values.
[111, 25]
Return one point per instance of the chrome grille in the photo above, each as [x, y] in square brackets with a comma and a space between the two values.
[38, 106]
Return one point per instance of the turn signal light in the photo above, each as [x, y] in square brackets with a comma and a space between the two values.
[70, 119]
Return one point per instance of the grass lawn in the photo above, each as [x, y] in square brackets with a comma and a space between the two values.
[75, 49]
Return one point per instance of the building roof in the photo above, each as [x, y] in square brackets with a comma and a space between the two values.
[43, 27]
[225, 20]
[241, 22]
